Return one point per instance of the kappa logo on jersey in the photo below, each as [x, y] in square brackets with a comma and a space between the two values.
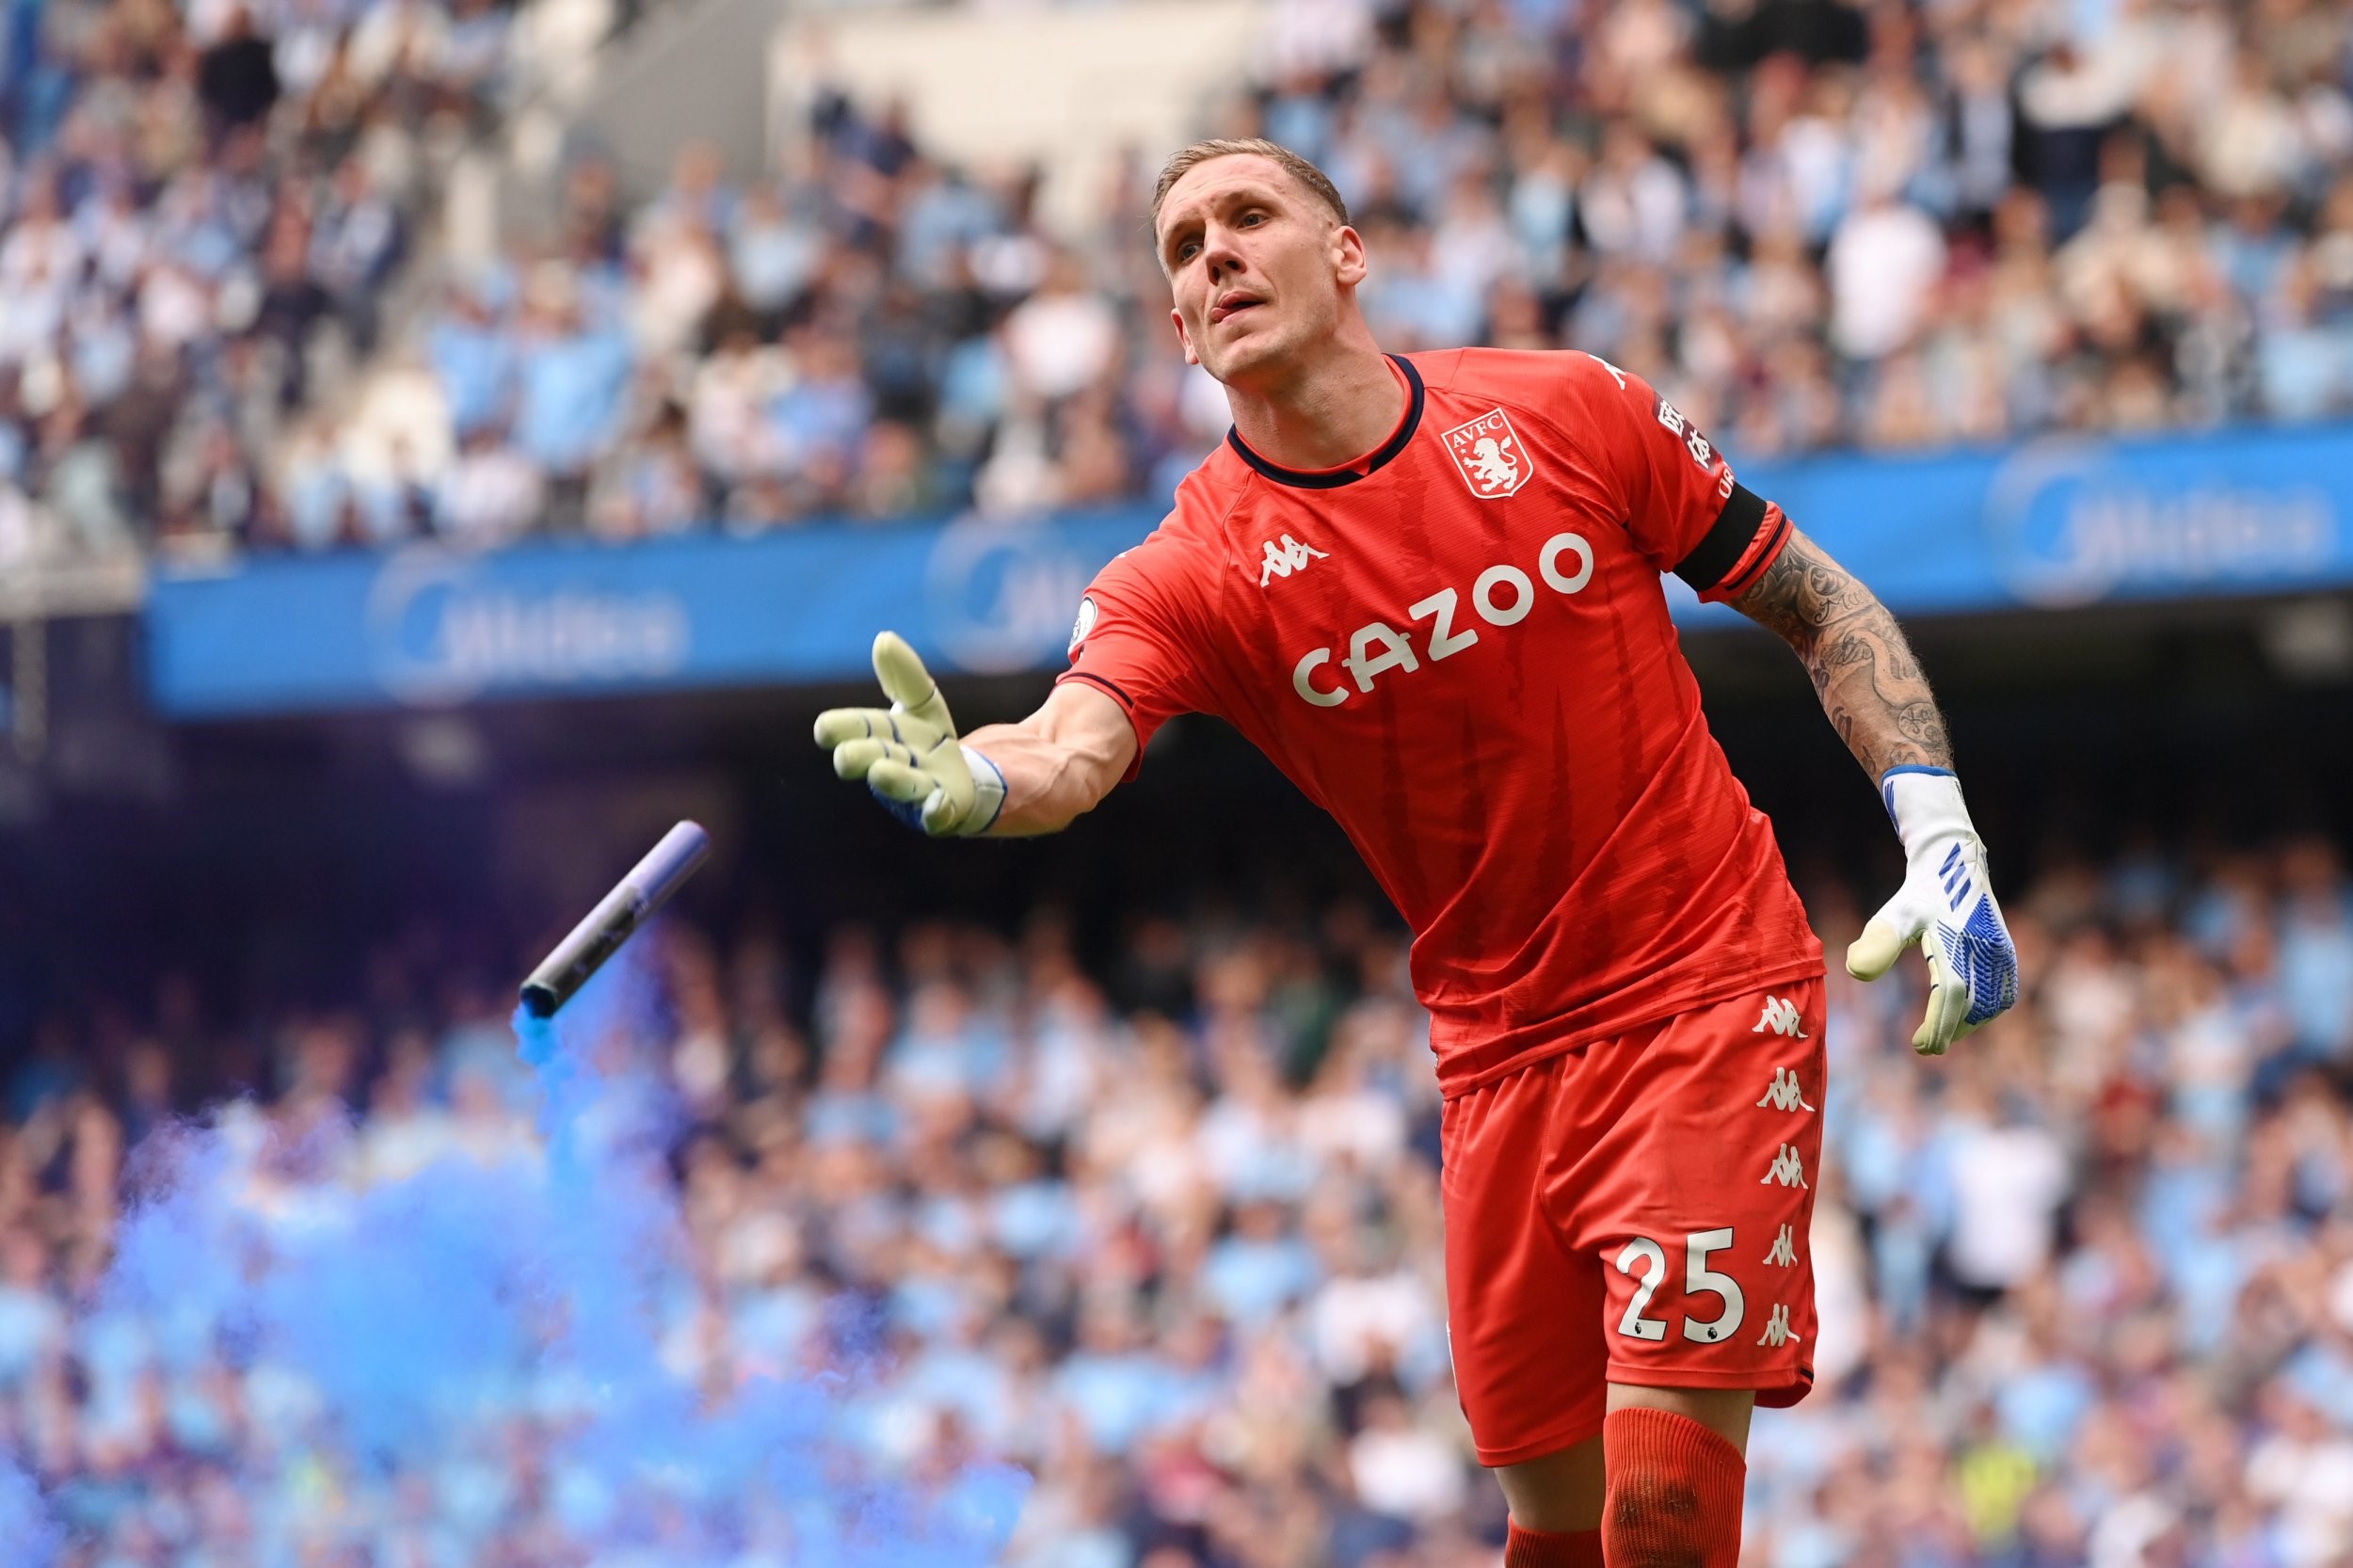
[1789, 1169]
[1490, 456]
[1085, 624]
[1777, 1329]
[1784, 1251]
[1288, 557]
[1783, 1093]
[1781, 1017]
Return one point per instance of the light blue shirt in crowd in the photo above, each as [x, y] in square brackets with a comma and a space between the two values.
[476, 366]
[573, 392]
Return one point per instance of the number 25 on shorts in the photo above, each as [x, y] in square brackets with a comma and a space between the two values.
[1645, 1260]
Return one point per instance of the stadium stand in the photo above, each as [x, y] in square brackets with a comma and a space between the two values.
[1150, 1207]
[1812, 226]
[205, 207]
[207, 210]
[1166, 1232]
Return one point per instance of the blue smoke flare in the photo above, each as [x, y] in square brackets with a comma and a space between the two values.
[447, 1320]
[32, 1535]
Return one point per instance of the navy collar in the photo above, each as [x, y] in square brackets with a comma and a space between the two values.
[1327, 479]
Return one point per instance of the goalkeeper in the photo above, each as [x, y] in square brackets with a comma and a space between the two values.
[1429, 587]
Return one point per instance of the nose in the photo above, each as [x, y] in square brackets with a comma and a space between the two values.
[1220, 258]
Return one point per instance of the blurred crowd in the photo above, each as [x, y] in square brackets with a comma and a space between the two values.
[1813, 225]
[1165, 1231]
[201, 207]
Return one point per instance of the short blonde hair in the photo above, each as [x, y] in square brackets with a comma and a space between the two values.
[1317, 183]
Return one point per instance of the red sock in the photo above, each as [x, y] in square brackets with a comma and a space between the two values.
[1527, 1548]
[1673, 1493]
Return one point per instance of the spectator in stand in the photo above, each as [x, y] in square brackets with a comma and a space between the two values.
[356, 242]
[491, 493]
[573, 383]
[237, 77]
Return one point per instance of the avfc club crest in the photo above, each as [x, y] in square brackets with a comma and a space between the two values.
[1489, 455]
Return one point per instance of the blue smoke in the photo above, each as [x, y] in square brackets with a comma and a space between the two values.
[32, 1535]
[431, 1320]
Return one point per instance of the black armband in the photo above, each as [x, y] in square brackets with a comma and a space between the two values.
[1728, 538]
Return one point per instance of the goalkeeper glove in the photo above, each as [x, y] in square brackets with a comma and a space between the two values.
[1946, 905]
[908, 753]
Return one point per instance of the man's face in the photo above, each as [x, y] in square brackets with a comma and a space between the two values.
[1256, 266]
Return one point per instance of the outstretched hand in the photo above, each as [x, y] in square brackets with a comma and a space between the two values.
[908, 753]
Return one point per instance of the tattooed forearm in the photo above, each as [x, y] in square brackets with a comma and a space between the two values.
[1862, 669]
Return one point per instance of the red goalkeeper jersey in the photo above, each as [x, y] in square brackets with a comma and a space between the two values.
[1459, 647]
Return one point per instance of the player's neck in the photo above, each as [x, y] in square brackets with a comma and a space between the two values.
[1333, 412]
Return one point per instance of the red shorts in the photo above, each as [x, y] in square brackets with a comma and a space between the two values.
[1634, 1210]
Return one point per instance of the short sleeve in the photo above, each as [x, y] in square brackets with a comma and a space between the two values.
[1684, 511]
[1129, 641]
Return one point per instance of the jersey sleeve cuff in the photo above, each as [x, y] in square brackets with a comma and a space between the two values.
[1127, 709]
[1743, 541]
[1753, 567]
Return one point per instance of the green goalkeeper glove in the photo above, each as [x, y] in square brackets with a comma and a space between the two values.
[908, 754]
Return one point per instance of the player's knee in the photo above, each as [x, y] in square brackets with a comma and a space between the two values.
[1674, 1497]
[1654, 1520]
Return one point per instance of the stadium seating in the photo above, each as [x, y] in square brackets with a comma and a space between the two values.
[1916, 230]
[1811, 226]
[204, 208]
[1167, 1234]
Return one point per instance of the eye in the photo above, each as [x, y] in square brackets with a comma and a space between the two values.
[1185, 250]
[1253, 216]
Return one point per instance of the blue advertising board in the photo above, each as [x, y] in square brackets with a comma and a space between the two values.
[2047, 525]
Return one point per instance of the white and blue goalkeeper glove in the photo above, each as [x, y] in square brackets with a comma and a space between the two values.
[908, 754]
[1946, 905]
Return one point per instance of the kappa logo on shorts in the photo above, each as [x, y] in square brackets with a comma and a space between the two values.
[1490, 456]
[1789, 1169]
[1781, 1017]
[1784, 1251]
[1777, 1328]
[1783, 1093]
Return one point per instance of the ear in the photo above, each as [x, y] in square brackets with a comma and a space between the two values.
[1349, 267]
[1184, 338]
